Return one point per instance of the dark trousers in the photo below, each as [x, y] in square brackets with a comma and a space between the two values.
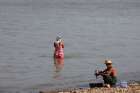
[93, 85]
[110, 80]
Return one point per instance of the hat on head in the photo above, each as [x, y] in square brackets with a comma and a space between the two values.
[108, 62]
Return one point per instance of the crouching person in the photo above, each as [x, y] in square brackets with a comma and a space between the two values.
[109, 74]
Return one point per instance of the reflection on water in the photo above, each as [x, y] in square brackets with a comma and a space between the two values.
[58, 64]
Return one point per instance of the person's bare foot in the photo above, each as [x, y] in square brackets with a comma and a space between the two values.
[107, 85]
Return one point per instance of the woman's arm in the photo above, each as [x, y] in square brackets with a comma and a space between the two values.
[62, 43]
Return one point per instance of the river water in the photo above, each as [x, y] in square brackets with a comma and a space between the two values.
[92, 30]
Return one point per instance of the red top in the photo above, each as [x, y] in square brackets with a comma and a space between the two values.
[111, 71]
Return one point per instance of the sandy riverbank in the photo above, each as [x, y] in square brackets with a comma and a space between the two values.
[132, 88]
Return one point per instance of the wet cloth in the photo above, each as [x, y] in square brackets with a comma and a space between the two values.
[58, 52]
[110, 80]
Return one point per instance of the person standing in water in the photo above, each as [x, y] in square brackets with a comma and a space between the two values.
[59, 48]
